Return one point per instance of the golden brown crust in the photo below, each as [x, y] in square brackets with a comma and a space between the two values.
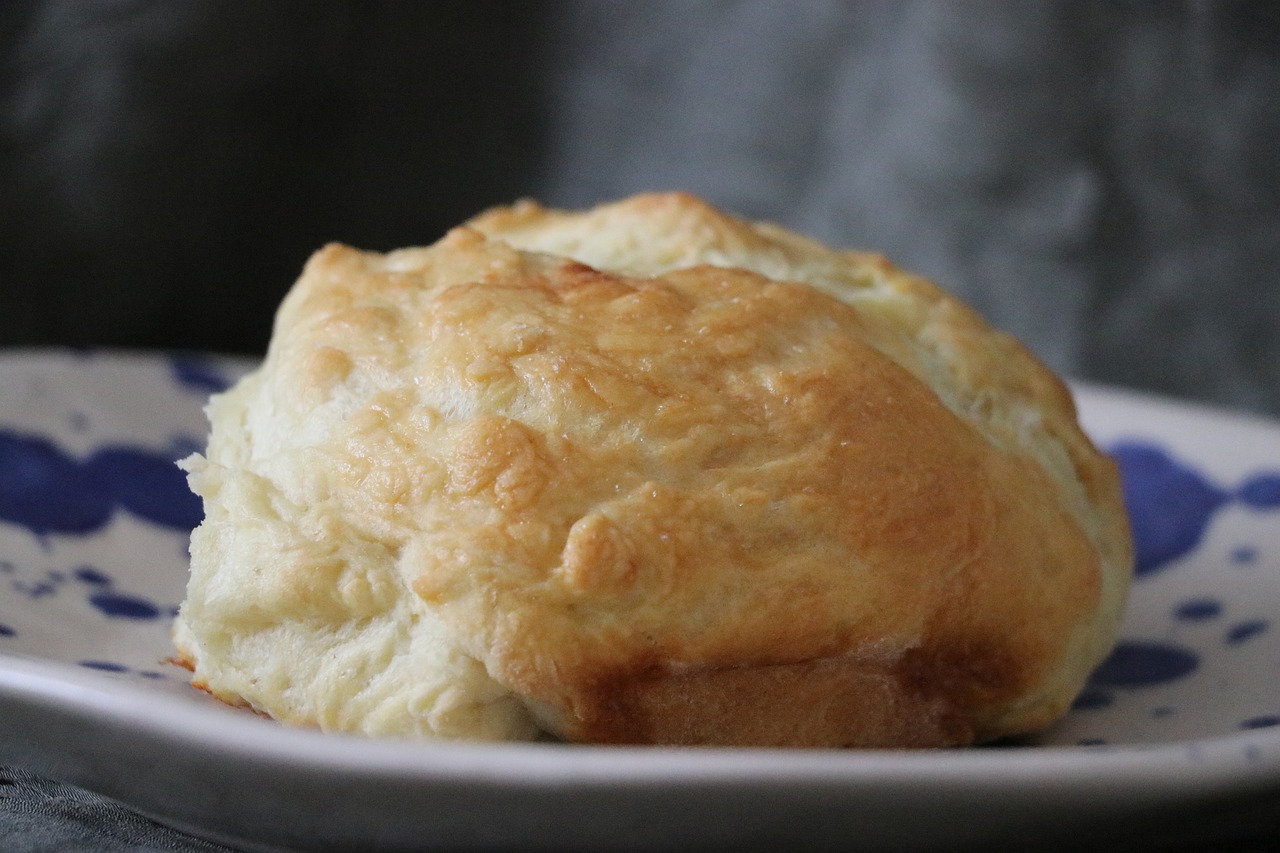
[659, 475]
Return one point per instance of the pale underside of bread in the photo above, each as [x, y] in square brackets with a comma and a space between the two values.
[648, 474]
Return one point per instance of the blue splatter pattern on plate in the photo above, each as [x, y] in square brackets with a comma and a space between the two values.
[94, 512]
[94, 519]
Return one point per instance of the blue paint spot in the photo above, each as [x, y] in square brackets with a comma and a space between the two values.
[47, 491]
[182, 446]
[6, 631]
[153, 675]
[1245, 630]
[1134, 664]
[35, 590]
[1244, 555]
[197, 375]
[1091, 698]
[1169, 504]
[104, 665]
[148, 485]
[1198, 610]
[124, 606]
[91, 576]
[1264, 722]
[1261, 491]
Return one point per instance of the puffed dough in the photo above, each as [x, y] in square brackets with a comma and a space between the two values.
[648, 473]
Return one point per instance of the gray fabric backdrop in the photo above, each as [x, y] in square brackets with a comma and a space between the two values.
[1100, 178]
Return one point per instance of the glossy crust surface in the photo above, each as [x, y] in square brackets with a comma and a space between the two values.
[648, 474]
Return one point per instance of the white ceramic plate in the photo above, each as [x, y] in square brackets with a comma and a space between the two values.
[1178, 735]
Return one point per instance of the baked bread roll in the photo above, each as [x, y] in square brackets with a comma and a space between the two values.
[648, 474]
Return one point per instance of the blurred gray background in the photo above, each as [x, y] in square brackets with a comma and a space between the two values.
[1100, 178]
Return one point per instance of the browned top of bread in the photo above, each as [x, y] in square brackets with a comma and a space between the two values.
[661, 476]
